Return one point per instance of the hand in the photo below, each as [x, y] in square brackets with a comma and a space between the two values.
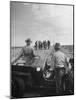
[67, 71]
[37, 57]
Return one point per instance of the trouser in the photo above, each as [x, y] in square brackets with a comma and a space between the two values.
[59, 73]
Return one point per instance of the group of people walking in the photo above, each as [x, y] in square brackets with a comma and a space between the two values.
[39, 45]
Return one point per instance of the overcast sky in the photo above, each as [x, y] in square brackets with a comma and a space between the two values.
[41, 22]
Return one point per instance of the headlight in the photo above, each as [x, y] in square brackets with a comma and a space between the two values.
[38, 69]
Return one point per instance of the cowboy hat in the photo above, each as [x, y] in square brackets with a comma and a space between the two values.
[28, 40]
[57, 46]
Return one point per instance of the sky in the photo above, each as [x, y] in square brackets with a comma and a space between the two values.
[41, 22]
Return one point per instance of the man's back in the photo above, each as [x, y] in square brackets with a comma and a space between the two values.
[59, 59]
[27, 51]
[28, 54]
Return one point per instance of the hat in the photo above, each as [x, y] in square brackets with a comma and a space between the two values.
[28, 40]
[57, 46]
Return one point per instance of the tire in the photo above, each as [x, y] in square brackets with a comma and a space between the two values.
[18, 87]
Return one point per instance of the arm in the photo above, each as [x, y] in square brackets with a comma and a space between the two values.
[33, 54]
[67, 61]
[50, 62]
[68, 66]
[17, 57]
[54, 61]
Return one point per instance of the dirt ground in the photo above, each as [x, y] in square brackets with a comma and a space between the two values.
[44, 54]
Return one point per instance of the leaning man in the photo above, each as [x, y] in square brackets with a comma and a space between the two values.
[27, 53]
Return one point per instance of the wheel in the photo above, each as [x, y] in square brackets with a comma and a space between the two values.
[18, 87]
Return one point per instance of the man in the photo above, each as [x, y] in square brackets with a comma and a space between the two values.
[60, 64]
[48, 44]
[36, 45]
[27, 53]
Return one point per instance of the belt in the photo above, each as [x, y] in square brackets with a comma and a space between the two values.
[62, 66]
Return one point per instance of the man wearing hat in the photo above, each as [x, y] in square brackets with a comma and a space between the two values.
[27, 53]
[60, 64]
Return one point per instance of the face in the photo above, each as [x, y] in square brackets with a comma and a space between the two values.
[28, 43]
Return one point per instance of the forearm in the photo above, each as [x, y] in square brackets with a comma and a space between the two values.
[16, 59]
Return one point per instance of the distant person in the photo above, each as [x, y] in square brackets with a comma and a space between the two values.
[36, 45]
[40, 45]
[44, 44]
[27, 52]
[61, 63]
[48, 44]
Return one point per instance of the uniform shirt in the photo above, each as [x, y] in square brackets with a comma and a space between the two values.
[27, 51]
[28, 54]
[60, 59]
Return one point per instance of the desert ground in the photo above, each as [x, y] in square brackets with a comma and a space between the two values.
[44, 54]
